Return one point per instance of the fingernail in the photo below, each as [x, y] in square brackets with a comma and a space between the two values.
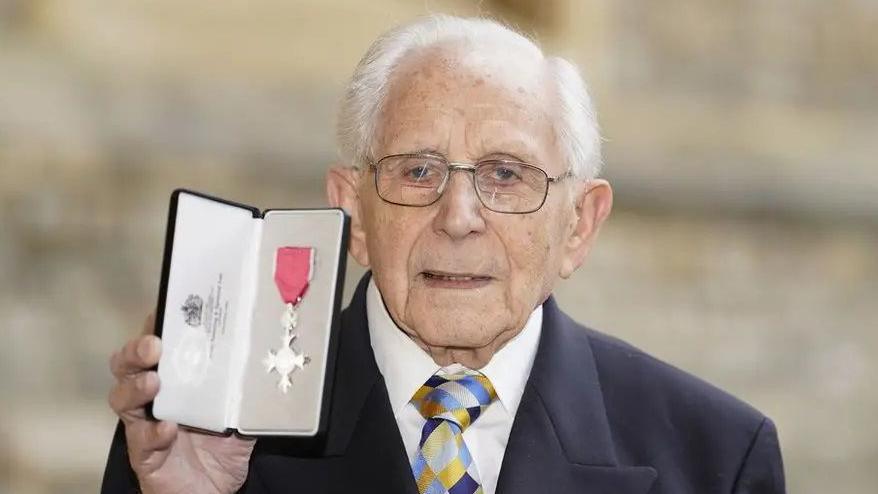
[144, 348]
[146, 381]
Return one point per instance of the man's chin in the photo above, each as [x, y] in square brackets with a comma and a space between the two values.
[465, 331]
[443, 341]
[471, 350]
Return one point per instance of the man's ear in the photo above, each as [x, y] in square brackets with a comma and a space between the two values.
[593, 205]
[342, 191]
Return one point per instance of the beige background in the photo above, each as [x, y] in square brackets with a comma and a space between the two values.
[741, 139]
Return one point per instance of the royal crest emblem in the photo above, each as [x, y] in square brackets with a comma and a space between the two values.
[192, 309]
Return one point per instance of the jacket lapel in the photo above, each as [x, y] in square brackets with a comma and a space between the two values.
[560, 439]
[356, 374]
[362, 431]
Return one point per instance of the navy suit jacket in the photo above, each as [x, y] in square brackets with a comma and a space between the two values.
[598, 416]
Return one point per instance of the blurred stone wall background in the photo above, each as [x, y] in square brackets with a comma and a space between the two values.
[741, 139]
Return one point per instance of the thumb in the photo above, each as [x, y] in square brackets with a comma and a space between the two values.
[152, 443]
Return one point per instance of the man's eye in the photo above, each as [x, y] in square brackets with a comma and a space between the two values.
[506, 174]
[418, 172]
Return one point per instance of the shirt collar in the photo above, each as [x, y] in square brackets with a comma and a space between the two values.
[406, 366]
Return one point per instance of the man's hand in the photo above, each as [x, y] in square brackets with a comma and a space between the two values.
[166, 458]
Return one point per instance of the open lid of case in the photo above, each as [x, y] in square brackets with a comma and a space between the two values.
[219, 316]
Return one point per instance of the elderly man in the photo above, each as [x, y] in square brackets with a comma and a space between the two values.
[471, 185]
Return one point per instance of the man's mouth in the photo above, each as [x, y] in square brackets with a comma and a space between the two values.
[444, 279]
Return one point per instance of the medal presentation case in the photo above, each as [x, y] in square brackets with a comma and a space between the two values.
[248, 316]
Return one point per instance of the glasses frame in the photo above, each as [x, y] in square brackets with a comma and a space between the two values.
[466, 167]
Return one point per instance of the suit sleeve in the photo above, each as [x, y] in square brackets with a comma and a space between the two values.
[119, 478]
[762, 470]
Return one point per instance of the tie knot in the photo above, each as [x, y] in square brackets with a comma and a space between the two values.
[459, 397]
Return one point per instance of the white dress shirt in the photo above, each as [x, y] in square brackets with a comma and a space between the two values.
[406, 366]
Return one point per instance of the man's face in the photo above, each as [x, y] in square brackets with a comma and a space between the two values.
[457, 277]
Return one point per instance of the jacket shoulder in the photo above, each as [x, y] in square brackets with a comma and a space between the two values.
[653, 404]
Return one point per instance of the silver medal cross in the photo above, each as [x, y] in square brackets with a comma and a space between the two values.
[286, 359]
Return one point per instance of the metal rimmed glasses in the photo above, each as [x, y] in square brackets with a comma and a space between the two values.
[503, 186]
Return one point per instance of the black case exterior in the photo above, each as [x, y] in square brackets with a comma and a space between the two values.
[336, 307]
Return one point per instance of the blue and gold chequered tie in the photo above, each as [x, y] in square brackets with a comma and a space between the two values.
[450, 404]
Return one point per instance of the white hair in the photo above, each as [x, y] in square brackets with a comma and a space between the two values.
[575, 122]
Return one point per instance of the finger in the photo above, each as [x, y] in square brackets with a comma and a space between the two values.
[122, 361]
[149, 324]
[130, 395]
[137, 355]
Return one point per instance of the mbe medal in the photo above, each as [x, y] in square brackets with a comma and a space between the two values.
[293, 270]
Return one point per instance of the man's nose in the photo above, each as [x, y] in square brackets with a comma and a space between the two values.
[460, 209]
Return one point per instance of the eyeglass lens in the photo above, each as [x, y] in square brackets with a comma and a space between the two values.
[502, 186]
